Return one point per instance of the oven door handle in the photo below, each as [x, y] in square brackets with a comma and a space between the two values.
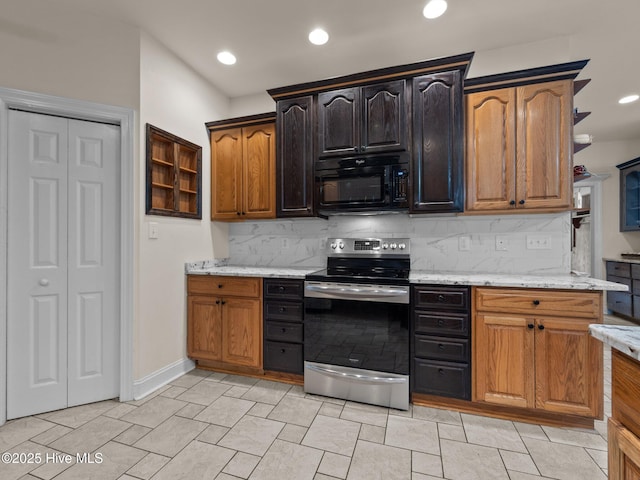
[357, 377]
[357, 292]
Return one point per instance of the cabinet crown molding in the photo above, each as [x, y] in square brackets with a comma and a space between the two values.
[457, 62]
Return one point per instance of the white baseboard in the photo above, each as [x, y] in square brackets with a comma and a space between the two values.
[159, 378]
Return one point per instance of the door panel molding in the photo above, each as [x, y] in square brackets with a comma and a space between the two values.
[83, 110]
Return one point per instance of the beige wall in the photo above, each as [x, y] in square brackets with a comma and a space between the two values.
[112, 63]
[179, 101]
[54, 51]
[602, 157]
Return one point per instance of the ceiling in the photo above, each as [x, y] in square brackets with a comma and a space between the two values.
[269, 38]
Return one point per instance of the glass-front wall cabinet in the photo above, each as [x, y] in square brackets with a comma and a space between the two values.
[630, 195]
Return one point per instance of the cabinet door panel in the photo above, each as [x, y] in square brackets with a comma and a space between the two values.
[242, 321]
[294, 177]
[544, 144]
[259, 171]
[491, 150]
[338, 122]
[438, 145]
[384, 117]
[568, 367]
[204, 328]
[226, 164]
[503, 360]
[624, 452]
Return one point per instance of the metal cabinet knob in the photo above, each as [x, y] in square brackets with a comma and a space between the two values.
[44, 282]
[540, 327]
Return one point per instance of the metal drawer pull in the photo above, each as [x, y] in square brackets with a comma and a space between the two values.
[441, 371]
[441, 298]
[441, 346]
[355, 376]
[282, 309]
[536, 302]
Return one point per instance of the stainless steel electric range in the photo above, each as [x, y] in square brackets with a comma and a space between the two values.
[356, 323]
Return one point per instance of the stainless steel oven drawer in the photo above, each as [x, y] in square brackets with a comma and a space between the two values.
[357, 384]
[456, 350]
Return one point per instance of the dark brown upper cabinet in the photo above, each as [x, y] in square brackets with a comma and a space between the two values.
[438, 149]
[363, 120]
[294, 157]
[174, 175]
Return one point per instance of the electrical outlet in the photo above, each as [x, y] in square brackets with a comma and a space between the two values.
[153, 230]
[502, 243]
[464, 243]
[538, 242]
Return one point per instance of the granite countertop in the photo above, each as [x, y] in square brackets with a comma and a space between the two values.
[621, 337]
[570, 282]
[216, 268]
[622, 259]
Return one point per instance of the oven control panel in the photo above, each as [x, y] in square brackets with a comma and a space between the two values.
[368, 246]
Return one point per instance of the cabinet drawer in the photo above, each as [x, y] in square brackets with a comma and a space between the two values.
[283, 331]
[622, 280]
[620, 269]
[435, 348]
[441, 324]
[221, 285]
[441, 298]
[442, 378]
[635, 270]
[289, 311]
[283, 357]
[636, 287]
[620, 302]
[283, 289]
[538, 302]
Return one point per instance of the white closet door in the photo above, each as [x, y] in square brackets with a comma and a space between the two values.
[63, 266]
[37, 264]
[93, 265]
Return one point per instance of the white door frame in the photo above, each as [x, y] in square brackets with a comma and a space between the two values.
[83, 110]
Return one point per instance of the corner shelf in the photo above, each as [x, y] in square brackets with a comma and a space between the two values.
[174, 175]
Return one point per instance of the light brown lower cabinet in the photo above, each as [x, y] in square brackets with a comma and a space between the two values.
[624, 424]
[532, 349]
[624, 453]
[224, 322]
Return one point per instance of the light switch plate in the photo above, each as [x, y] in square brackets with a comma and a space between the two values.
[538, 242]
[464, 243]
[153, 230]
[502, 243]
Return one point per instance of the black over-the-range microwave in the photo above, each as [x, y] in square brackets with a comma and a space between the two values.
[377, 183]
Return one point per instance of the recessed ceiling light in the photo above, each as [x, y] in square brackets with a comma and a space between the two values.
[629, 99]
[227, 58]
[318, 37]
[434, 8]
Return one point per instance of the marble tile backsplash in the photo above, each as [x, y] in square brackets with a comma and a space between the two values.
[435, 241]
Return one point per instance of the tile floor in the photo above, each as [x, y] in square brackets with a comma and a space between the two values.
[210, 426]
